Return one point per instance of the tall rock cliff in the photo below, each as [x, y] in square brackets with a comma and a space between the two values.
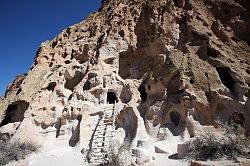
[154, 72]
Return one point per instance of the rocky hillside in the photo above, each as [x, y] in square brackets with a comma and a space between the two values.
[169, 69]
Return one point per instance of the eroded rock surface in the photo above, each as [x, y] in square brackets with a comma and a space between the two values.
[172, 66]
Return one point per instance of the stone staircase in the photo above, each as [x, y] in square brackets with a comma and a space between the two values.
[102, 136]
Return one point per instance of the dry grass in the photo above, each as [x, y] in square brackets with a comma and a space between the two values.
[15, 151]
[119, 155]
[234, 144]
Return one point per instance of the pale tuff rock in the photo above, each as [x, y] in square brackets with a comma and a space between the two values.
[172, 67]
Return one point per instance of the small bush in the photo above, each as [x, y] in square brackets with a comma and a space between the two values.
[15, 151]
[233, 145]
[119, 155]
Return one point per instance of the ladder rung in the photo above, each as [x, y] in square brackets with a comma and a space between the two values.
[96, 129]
[108, 117]
[96, 162]
[97, 140]
[101, 127]
[101, 147]
[101, 136]
[98, 154]
[98, 157]
[104, 123]
[105, 136]
[96, 150]
[101, 132]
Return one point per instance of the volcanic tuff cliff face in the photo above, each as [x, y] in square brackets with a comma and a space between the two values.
[173, 66]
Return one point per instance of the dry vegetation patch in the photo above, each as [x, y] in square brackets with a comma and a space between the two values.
[119, 155]
[14, 151]
[210, 147]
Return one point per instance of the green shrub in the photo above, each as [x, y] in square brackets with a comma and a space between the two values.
[13, 151]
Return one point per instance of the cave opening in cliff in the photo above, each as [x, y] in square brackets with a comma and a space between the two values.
[51, 86]
[86, 85]
[143, 93]
[15, 112]
[111, 98]
[175, 2]
[175, 117]
[225, 77]
[212, 52]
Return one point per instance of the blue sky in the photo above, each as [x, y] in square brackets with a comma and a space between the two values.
[24, 24]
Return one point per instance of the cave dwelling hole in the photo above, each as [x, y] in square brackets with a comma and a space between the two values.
[225, 77]
[175, 117]
[143, 93]
[51, 86]
[15, 112]
[111, 98]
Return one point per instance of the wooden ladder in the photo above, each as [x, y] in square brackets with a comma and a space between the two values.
[103, 136]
